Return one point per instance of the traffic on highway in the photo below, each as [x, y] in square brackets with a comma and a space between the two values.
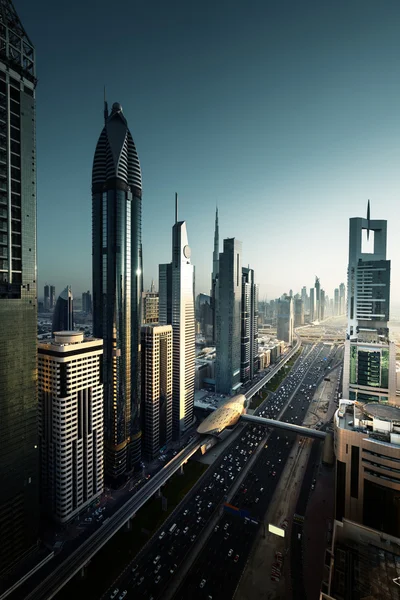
[152, 571]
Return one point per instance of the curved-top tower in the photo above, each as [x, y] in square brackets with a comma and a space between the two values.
[63, 316]
[117, 287]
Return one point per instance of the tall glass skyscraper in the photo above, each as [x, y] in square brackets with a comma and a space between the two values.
[117, 287]
[63, 316]
[18, 302]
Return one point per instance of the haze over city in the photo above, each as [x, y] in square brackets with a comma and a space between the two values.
[283, 114]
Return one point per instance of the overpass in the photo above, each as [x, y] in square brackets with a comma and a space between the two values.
[60, 574]
[299, 429]
[60, 571]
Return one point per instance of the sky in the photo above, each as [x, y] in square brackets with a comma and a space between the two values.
[284, 113]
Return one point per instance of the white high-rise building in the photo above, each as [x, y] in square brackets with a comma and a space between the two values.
[176, 307]
[156, 387]
[70, 423]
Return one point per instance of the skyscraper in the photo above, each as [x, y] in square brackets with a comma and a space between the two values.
[70, 423]
[52, 297]
[249, 325]
[150, 307]
[285, 322]
[214, 276]
[369, 370]
[304, 297]
[342, 299]
[87, 302]
[156, 388]
[176, 304]
[117, 287]
[63, 316]
[298, 312]
[336, 302]
[322, 305]
[46, 297]
[317, 307]
[312, 305]
[18, 302]
[229, 300]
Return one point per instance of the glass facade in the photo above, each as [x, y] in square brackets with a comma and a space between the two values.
[19, 507]
[117, 289]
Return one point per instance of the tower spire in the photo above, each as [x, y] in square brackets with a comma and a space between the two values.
[216, 246]
[368, 218]
[176, 207]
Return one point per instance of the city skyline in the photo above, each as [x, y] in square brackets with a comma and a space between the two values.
[305, 157]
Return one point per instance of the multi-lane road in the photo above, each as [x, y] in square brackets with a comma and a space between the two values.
[226, 551]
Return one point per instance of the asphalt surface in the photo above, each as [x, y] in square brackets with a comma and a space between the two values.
[150, 574]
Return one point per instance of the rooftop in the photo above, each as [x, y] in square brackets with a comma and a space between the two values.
[225, 416]
[384, 412]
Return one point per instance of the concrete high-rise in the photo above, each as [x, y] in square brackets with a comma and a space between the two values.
[249, 325]
[117, 288]
[176, 308]
[312, 305]
[229, 300]
[304, 298]
[322, 305]
[214, 276]
[63, 316]
[156, 388]
[70, 423]
[285, 320]
[19, 486]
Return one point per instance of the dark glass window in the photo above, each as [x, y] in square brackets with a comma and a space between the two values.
[355, 468]
[14, 93]
[14, 120]
[15, 147]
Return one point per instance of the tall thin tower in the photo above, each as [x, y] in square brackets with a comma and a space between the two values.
[18, 298]
[214, 276]
[177, 309]
[117, 287]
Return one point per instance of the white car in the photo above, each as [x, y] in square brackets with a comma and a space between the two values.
[202, 583]
[230, 552]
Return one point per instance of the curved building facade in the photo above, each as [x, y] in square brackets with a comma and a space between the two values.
[63, 316]
[117, 287]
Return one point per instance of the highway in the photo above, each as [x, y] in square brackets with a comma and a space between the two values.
[61, 571]
[150, 574]
[219, 566]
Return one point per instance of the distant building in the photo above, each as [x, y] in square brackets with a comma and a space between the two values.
[249, 326]
[176, 308]
[285, 320]
[336, 306]
[205, 316]
[150, 307]
[157, 360]
[322, 305]
[342, 299]
[46, 297]
[298, 312]
[63, 316]
[229, 298]
[87, 302]
[304, 297]
[70, 423]
[317, 305]
[312, 305]
[52, 297]
[362, 563]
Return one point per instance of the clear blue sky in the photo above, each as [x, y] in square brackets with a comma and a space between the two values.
[285, 113]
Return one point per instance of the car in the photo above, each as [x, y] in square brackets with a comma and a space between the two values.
[141, 580]
[216, 528]
[202, 583]
[236, 558]
[122, 596]
[114, 593]
[157, 558]
[226, 536]
[230, 552]
[157, 579]
[193, 537]
[185, 512]
[226, 526]
[158, 567]
[186, 530]
[160, 537]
